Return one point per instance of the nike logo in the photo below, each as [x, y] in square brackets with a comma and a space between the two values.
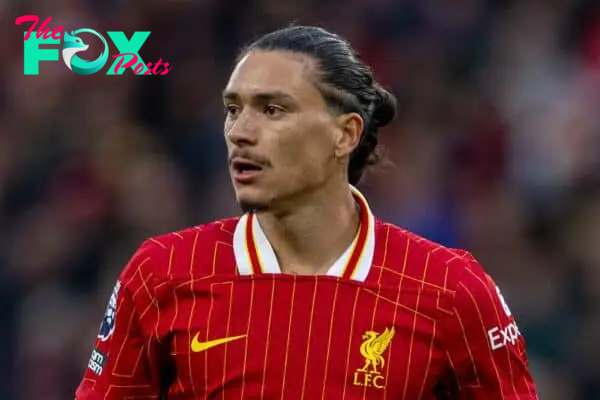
[198, 346]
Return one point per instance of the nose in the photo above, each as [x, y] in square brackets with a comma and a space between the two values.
[243, 130]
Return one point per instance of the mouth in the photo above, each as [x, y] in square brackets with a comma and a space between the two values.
[244, 170]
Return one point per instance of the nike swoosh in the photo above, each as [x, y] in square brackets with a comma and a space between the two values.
[198, 346]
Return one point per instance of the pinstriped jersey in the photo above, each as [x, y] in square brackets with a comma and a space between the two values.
[206, 313]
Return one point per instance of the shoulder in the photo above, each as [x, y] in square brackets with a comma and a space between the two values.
[189, 239]
[472, 290]
[428, 263]
[469, 291]
[179, 252]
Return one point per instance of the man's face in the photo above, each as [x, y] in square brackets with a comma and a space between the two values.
[281, 138]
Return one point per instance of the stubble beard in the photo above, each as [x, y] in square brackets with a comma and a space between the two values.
[253, 207]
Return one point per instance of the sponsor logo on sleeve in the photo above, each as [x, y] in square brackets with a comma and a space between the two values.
[96, 363]
[504, 305]
[500, 336]
[107, 326]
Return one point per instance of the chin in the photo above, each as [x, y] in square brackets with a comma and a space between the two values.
[252, 200]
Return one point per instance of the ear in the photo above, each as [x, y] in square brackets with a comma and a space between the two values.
[350, 128]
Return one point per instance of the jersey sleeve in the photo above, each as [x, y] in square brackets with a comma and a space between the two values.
[125, 359]
[485, 348]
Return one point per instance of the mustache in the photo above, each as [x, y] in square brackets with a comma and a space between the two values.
[243, 153]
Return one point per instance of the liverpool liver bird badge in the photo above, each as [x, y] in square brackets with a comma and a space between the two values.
[372, 349]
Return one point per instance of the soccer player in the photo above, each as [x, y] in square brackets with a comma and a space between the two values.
[307, 295]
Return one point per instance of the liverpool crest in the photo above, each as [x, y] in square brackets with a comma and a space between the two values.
[372, 349]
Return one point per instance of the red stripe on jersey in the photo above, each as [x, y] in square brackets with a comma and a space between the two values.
[359, 245]
[251, 246]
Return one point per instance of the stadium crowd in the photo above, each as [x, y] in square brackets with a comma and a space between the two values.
[497, 150]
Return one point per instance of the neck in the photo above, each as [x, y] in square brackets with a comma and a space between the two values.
[315, 231]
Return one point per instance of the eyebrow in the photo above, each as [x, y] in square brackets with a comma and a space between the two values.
[260, 96]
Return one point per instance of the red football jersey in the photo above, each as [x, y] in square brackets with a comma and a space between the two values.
[206, 313]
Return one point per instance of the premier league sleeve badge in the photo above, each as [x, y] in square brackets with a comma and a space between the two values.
[107, 326]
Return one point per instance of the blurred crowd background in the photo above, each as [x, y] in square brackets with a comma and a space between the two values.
[497, 150]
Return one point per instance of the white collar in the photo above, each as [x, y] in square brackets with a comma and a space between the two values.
[254, 254]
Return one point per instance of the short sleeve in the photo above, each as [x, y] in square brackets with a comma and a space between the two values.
[125, 360]
[485, 347]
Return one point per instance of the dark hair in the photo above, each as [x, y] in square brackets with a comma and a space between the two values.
[346, 83]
